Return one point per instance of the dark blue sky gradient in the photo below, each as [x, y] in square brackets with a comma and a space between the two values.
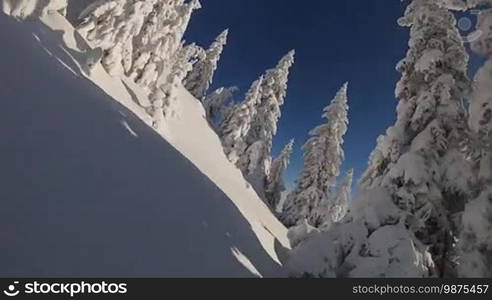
[336, 41]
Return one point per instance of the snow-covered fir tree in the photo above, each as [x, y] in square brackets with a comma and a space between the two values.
[432, 120]
[341, 203]
[143, 40]
[168, 34]
[313, 198]
[219, 105]
[419, 161]
[183, 62]
[402, 222]
[256, 160]
[425, 56]
[237, 125]
[139, 38]
[199, 79]
[275, 180]
[112, 26]
[164, 97]
[157, 42]
[476, 238]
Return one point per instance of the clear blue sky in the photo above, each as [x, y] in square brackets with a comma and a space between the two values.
[335, 41]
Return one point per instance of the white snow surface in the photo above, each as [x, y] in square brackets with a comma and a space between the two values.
[300, 233]
[89, 189]
[371, 245]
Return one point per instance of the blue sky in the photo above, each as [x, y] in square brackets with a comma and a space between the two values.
[335, 41]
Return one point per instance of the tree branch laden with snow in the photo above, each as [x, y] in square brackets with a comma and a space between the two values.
[200, 78]
[476, 239]
[256, 160]
[313, 198]
[237, 125]
[275, 181]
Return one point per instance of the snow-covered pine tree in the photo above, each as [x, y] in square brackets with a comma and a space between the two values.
[139, 38]
[400, 224]
[98, 21]
[342, 199]
[157, 42]
[162, 60]
[378, 160]
[313, 197]
[183, 62]
[275, 181]
[112, 26]
[161, 38]
[163, 96]
[199, 79]
[476, 238]
[256, 160]
[419, 161]
[237, 125]
[218, 105]
[185, 12]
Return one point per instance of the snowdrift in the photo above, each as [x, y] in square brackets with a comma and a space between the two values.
[88, 189]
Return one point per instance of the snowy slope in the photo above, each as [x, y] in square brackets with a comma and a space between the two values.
[190, 133]
[88, 189]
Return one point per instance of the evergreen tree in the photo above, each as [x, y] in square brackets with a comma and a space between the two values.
[341, 203]
[402, 222]
[112, 26]
[218, 105]
[323, 155]
[235, 128]
[476, 238]
[161, 39]
[139, 38]
[163, 96]
[256, 160]
[200, 78]
[419, 161]
[157, 42]
[275, 182]
[183, 62]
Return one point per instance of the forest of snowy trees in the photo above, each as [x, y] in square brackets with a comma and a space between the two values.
[421, 210]
[424, 204]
